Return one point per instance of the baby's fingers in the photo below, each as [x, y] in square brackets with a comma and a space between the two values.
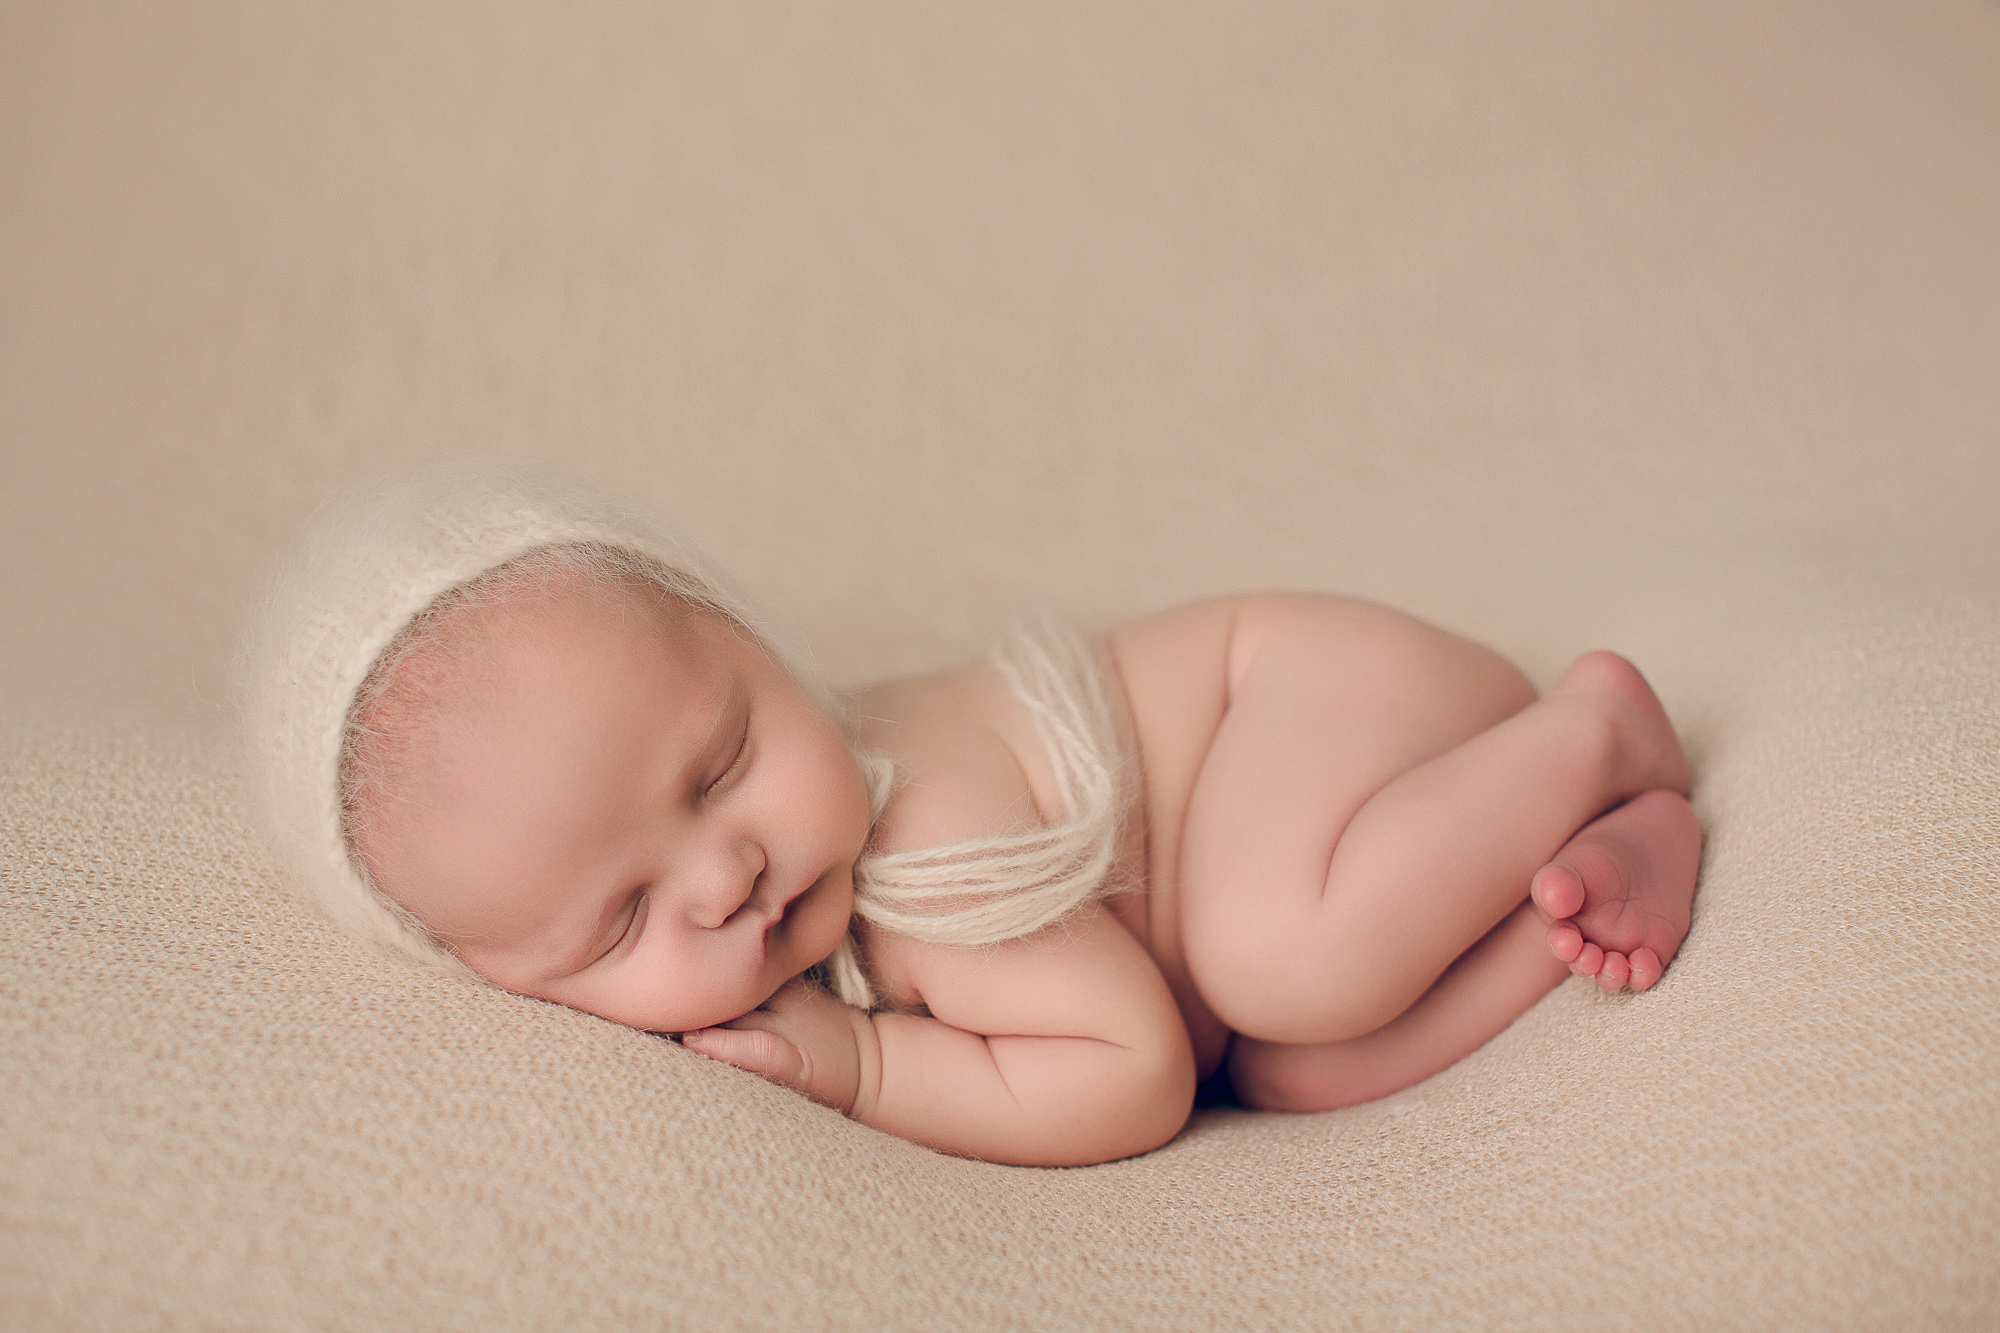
[754, 1049]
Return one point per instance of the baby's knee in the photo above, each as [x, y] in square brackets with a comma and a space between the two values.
[1297, 994]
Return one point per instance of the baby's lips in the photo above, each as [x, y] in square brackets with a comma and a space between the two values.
[784, 908]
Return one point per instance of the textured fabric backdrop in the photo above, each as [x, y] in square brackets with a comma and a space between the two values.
[1664, 327]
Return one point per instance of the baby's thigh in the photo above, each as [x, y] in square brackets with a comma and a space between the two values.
[1329, 701]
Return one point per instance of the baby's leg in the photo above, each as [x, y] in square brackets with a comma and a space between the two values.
[1357, 826]
[1485, 989]
[1639, 864]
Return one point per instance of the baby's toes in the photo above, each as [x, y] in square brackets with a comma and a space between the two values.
[1586, 963]
[1615, 972]
[1646, 968]
[1557, 890]
[1565, 941]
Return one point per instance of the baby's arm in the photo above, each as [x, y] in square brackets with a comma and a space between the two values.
[1058, 1050]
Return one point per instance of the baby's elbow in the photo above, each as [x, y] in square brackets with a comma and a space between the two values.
[1119, 1101]
[1154, 1097]
[1168, 1115]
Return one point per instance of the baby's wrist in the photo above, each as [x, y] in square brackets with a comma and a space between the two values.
[867, 1091]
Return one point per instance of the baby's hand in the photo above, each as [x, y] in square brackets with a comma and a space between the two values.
[801, 1037]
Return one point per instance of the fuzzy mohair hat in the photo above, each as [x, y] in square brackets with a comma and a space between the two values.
[374, 558]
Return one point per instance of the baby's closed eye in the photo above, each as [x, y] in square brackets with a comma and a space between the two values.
[635, 925]
[739, 760]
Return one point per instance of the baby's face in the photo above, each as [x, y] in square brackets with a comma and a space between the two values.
[638, 814]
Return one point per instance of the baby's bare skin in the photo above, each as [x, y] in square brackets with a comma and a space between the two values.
[1341, 812]
[1423, 792]
[1610, 892]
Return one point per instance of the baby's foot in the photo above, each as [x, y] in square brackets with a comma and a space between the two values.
[1620, 890]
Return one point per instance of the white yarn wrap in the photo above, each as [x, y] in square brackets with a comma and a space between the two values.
[986, 890]
[376, 557]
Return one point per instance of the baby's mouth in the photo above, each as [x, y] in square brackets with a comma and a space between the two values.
[808, 890]
[778, 905]
[811, 887]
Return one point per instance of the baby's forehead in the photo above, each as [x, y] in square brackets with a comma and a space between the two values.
[452, 661]
[481, 624]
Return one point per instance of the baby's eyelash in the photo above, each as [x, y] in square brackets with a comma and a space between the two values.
[735, 764]
[638, 914]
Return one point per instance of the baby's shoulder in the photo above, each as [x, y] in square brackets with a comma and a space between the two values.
[968, 762]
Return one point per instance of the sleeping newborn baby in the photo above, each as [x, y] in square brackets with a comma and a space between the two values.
[1013, 910]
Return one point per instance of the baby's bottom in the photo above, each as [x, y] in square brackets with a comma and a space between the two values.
[1363, 834]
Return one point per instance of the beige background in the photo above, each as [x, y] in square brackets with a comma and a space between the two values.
[913, 315]
[1665, 326]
